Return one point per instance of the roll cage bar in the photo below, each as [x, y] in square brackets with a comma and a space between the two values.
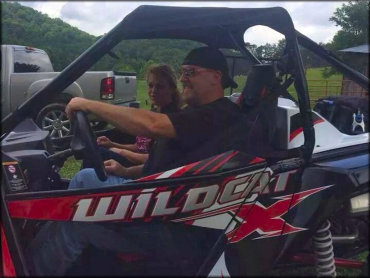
[202, 25]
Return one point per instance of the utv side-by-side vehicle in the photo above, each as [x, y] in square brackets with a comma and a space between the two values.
[305, 202]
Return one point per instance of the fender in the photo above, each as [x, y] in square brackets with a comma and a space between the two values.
[74, 89]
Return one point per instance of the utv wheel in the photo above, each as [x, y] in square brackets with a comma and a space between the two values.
[52, 118]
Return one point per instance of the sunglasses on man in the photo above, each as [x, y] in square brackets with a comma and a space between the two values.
[192, 71]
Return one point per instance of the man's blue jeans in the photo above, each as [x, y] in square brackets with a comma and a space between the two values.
[87, 178]
[59, 244]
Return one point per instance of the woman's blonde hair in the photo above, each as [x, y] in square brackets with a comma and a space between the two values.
[164, 71]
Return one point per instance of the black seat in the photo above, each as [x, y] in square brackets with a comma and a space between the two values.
[259, 103]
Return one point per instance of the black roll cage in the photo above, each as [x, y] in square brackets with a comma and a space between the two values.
[202, 25]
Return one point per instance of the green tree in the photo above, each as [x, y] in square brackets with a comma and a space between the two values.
[353, 18]
[267, 51]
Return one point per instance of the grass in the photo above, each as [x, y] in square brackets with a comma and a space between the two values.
[311, 272]
[318, 86]
[321, 87]
[142, 94]
[70, 168]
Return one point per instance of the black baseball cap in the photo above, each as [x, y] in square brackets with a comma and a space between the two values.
[210, 58]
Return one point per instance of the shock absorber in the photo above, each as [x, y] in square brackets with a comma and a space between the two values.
[323, 246]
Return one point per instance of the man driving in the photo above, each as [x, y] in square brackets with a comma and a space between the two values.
[193, 134]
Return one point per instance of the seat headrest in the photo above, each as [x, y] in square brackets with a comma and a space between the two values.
[260, 78]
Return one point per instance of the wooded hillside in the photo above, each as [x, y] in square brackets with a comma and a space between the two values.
[25, 26]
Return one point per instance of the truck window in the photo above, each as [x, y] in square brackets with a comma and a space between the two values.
[31, 61]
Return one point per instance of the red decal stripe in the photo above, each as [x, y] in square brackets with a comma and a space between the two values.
[223, 161]
[151, 177]
[209, 162]
[184, 195]
[318, 121]
[51, 209]
[299, 130]
[177, 190]
[256, 160]
[7, 262]
[189, 222]
[184, 169]
[295, 133]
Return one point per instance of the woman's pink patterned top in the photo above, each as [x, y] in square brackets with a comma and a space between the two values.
[143, 144]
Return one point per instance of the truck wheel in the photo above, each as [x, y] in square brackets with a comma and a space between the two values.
[52, 118]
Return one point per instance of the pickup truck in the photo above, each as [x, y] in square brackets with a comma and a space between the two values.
[26, 70]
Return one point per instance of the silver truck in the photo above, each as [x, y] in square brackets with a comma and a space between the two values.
[26, 70]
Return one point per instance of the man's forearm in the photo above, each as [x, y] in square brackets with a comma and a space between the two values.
[132, 120]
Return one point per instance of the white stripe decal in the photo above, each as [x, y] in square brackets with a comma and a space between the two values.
[168, 173]
[147, 190]
[208, 213]
[220, 269]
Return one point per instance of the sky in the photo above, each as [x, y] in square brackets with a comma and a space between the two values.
[311, 18]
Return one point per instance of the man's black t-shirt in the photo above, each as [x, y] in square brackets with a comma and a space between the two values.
[201, 132]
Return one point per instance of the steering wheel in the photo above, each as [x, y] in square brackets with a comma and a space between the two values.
[83, 144]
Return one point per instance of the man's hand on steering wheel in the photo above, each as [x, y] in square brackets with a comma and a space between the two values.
[77, 104]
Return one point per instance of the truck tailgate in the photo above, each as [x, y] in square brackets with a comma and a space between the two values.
[125, 86]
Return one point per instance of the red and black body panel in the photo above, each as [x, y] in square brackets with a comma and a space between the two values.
[251, 212]
[13, 263]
